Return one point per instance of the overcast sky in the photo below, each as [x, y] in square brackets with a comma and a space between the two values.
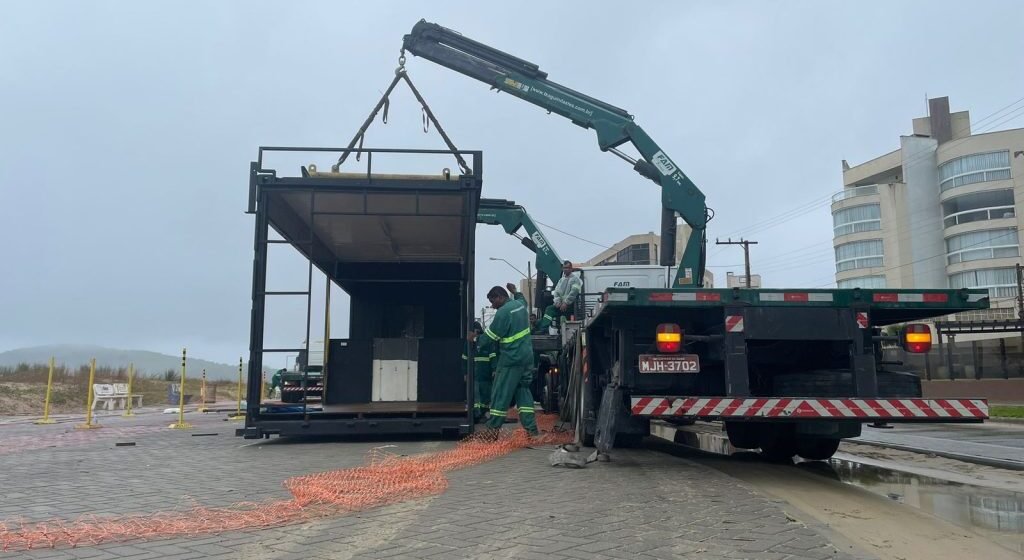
[126, 130]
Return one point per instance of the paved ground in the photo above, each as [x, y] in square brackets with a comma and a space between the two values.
[643, 505]
[990, 440]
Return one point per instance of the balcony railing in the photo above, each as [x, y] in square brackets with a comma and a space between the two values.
[854, 192]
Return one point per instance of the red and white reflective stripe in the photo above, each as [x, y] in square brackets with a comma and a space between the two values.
[299, 388]
[862, 319]
[734, 323]
[685, 296]
[796, 297]
[867, 409]
[910, 298]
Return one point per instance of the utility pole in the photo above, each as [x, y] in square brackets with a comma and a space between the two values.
[746, 254]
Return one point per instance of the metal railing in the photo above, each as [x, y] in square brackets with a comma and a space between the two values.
[854, 192]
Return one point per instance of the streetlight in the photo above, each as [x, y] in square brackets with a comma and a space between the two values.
[510, 264]
[528, 277]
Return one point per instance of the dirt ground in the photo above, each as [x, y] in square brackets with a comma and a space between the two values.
[27, 399]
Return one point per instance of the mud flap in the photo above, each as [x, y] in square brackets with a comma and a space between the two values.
[610, 416]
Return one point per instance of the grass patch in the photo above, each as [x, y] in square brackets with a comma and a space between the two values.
[1006, 411]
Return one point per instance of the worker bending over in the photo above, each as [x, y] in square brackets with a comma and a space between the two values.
[482, 374]
[509, 336]
[566, 291]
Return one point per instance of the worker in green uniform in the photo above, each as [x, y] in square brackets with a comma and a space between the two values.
[509, 335]
[482, 375]
[275, 382]
[566, 291]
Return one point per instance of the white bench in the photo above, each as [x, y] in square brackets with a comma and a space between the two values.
[114, 396]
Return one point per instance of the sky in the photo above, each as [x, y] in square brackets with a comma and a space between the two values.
[127, 128]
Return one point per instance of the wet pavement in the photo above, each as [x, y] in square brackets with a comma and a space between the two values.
[991, 442]
[995, 513]
[999, 514]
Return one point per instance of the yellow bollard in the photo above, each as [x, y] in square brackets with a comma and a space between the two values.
[181, 424]
[88, 401]
[46, 404]
[238, 411]
[202, 394]
[131, 376]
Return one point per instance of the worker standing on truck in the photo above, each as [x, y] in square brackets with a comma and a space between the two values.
[483, 374]
[565, 294]
[509, 335]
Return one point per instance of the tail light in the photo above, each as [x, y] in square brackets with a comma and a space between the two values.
[917, 338]
[669, 338]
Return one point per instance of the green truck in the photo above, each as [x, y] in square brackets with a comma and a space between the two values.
[790, 372]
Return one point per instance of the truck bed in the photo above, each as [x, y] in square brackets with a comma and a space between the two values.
[882, 306]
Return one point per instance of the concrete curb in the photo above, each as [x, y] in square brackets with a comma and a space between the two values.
[987, 461]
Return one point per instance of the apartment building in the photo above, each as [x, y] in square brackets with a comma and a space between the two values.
[942, 210]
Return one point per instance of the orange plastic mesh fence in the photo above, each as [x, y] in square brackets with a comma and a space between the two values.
[385, 479]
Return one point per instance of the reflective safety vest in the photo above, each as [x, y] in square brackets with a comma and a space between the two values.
[509, 335]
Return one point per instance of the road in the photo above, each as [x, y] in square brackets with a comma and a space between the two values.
[203, 493]
[993, 443]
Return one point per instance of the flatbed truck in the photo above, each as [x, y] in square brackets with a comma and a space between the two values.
[791, 371]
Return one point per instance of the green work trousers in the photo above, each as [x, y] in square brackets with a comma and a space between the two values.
[483, 382]
[513, 383]
[550, 313]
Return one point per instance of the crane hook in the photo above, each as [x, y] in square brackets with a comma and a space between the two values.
[401, 63]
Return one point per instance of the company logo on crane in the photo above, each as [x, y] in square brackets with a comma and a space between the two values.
[665, 165]
[539, 241]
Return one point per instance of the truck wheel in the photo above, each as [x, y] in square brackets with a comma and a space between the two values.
[817, 449]
[899, 384]
[838, 383]
[628, 440]
[742, 435]
[289, 396]
[777, 442]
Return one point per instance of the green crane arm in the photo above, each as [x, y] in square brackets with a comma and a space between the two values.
[511, 217]
[614, 127]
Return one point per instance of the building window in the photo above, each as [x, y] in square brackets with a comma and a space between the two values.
[860, 254]
[855, 219]
[639, 253]
[985, 244]
[1000, 282]
[977, 207]
[976, 168]
[866, 282]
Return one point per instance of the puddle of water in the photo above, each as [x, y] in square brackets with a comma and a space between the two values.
[966, 505]
[996, 514]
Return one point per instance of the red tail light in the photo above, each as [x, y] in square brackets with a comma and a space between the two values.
[669, 338]
[917, 338]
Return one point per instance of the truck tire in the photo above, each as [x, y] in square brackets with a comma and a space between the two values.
[743, 435]
[778, 442]
[899, 384]
[290, 396]
[838, 383]
[628, 440]
[816, 449]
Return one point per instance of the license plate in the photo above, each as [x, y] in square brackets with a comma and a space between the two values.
[675, 363]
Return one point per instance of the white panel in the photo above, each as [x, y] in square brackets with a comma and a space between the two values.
[394, 380]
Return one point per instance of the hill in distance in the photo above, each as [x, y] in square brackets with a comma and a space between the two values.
[146, 362]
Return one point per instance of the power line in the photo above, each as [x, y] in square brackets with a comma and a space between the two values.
[574, 236]
[944, 253]
[912, 159]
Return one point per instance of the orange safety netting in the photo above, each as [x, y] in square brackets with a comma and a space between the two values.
[385, 479]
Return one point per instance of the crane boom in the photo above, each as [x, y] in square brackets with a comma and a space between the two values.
[613, 126]
[513, 217]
